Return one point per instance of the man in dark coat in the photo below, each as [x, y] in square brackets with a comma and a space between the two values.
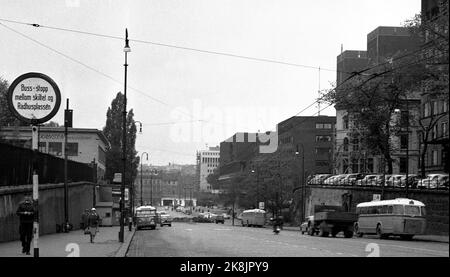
[26, 213]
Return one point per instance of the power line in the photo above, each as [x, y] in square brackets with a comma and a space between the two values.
[172, 46]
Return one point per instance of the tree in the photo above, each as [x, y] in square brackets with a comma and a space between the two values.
[6, 117]
[113, 132]
[51, 124]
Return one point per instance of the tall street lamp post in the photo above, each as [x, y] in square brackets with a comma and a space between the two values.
[126, 49]
[142, 157]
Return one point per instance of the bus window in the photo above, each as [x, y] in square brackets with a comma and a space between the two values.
[423, 211]
[398, 209]
[390, 209]
[384, 209]
[412, 210]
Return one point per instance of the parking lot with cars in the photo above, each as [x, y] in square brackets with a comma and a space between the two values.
[431, 181]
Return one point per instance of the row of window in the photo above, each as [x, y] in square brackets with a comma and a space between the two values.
[210, 160]
[434, 108]
[56, 148]
[392, 209]
[324, 126]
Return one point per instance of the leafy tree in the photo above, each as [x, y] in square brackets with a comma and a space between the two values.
[6, 117]
[114, 134]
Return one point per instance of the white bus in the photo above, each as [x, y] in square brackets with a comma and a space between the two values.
[255, 217]
[398, 217]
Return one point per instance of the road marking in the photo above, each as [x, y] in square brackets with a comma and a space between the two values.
[222, 229]
[188, 229]
[339, 253]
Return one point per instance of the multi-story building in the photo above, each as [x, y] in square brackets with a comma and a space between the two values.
[350, 156]
[312, 134]
[83, 145]
[207, 162]
[435, 135]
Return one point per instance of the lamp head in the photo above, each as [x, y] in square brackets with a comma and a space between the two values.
[127, 48]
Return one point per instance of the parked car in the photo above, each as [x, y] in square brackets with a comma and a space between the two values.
[339, 179]
[393, 180]
[165, 219]
[434, 181]
[318, 179]
[219, 219]
[329, 180]
[413, 180]
[351, 179]
[369, 180]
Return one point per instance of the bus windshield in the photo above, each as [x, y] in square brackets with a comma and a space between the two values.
[412, 210]
[145, 212]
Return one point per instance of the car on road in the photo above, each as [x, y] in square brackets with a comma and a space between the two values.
[219, 219]
[166, 219]
[434, 181]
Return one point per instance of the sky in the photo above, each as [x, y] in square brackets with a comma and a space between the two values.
[188, 100]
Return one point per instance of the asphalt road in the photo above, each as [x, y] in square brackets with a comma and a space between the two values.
[224, 240]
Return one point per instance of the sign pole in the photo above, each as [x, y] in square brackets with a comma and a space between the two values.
[34, 143]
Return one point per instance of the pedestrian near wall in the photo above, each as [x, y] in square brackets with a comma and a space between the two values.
[26, 213]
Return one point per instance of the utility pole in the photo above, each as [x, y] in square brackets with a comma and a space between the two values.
[67, 123]
[126, 49]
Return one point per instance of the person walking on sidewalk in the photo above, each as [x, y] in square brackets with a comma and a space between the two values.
[93, 223]
[26, 213]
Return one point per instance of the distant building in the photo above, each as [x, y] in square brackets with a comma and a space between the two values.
[314, 135]
[207, 162]
[83, 145]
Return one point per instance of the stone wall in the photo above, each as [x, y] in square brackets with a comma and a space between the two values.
[51, 207]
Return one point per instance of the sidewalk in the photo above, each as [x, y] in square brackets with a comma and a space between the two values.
[431, 238]
[106, 244]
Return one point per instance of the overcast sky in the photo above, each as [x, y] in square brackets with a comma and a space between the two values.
[210, 96]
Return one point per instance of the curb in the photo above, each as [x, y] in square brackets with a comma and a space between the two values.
[122, 252]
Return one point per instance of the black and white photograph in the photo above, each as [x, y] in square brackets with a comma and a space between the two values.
[223, 134]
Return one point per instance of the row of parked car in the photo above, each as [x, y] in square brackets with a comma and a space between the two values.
[432, 181]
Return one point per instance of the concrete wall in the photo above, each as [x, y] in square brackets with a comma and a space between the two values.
[437, 202]
[51, 207]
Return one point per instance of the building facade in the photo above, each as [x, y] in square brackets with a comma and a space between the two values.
[83, 145]
[208, 161]
[312, 134]
[350, 156]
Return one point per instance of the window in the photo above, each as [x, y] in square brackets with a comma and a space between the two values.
[323, 151]
[445, 107]
[107, 214]
[323, 126]
[426, 110]
[444, 129]
[435, 107]
[355, 145]
[55, 148]
[345, 123]
[398, 209]
[435, 157]
[323, 138]
[412, 210]
[403, 141]
[404, 118]
[345, 144]
[434, 132]
[72, 149]
[390, 209]
[43, 147]
[403, 165]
